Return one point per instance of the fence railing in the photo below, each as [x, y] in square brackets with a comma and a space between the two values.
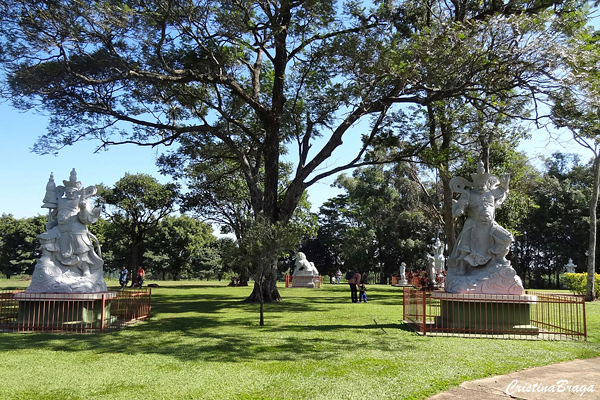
[72, 312]
[534, 315]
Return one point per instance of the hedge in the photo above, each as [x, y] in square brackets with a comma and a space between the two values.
[577, 283]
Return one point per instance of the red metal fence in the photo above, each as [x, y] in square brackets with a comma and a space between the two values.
[72, 312]
[534, 315]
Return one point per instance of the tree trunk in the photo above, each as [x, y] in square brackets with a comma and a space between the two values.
[135, 259]
[447, 211]
[590, 293]
[270, 293]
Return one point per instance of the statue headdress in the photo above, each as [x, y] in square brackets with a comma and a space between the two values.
[481, 177]
[72, 182]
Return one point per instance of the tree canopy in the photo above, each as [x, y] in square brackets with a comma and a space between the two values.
[246, 82]
[18, 243]
[135, 207]
[253, 77]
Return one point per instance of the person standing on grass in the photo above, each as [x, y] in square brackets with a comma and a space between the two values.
[140, 279]
[338, 276]
[123, 277]
[363, 293]
[354, 282]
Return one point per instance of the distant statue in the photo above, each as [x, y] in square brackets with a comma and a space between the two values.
[431, 271]
[69, 261]
[303, 267]
[570, 267]
[438, 257]
[403, 271]
[402, 278]
[478, 262]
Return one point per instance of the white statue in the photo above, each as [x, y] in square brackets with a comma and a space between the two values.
[431, 271]
[69, 262]
[402, 281]
[478, 262]
[403, 272]
[438, 257]
[303, 267]
[570, 267]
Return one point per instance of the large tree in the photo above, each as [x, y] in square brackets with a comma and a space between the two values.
[554, 228]
[379, 222]
[576, 107]
[135, 207]
[256, 77]
[182, 247]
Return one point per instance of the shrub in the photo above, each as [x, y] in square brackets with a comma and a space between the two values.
[577, 283]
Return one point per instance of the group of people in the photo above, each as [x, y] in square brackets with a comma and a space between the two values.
[124, 277]
[358, 290]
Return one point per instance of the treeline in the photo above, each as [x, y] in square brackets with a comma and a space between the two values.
[140, 227]
[387, 215]
[180, 247]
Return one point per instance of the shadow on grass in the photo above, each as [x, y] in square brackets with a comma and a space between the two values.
[210, 346]
[220, 326]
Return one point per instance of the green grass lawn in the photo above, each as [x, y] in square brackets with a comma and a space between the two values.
[203, 342]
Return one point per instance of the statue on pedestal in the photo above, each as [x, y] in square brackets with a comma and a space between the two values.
[303, 267]
[69, 261]
[402, 271]
[478, 262]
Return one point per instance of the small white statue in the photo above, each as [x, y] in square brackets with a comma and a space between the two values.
[431, 271]
[69, 262]
[570, 267]
[303, 267]
[438, 257]
[403, 280]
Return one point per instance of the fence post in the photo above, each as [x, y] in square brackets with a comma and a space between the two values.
[424, 312]
[103, 309]
[584, 324]
[404, 303]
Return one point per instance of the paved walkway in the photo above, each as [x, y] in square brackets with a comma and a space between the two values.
[579, 379]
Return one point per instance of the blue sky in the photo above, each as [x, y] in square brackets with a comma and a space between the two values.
[25, 174]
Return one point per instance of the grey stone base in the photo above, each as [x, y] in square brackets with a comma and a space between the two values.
[46, 310]
[485, 313]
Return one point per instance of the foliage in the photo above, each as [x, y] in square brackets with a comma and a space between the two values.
[380, 222]
[19, 244]
[135, 207]
[264, 244]
[576, 108]
[577, 283]
[182, 248]
[555, 227]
